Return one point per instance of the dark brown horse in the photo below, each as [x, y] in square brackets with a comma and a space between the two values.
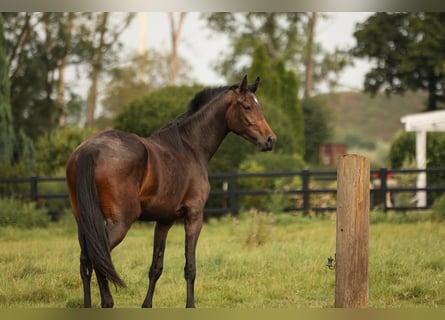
[115, 178]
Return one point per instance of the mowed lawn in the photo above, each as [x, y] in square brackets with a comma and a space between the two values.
[253, 261]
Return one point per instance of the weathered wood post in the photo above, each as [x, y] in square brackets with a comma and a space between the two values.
[351, 276]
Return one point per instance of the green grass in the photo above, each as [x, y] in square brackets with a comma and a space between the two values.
[39, 267]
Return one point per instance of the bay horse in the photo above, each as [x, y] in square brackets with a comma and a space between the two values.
[115, 178]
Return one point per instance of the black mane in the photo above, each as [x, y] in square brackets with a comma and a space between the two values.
[205, 96]
[200, 100]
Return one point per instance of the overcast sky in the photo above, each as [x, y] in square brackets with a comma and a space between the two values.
[200, 48]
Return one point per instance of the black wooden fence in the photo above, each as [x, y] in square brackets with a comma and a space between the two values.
[311, 190]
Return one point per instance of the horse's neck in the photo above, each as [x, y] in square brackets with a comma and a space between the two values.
[205, 130]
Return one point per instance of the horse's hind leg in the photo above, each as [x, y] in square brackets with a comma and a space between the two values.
[105, 295]
[160, 236]
[116, 232]
[86, 269]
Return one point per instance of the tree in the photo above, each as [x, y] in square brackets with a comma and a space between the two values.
[409, 53]
[287, 36]
[7, 136]
[66, 33]
[317, 128]
[143, 74]
[175, 32]
[149, 113]
[39, 50]
[280, 90]
[102, 34]
[309, 63]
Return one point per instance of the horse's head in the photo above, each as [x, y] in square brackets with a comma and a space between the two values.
[245, 116]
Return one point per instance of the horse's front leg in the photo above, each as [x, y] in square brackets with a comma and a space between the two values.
[193, 225]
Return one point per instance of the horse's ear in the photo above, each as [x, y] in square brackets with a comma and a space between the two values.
[254, 85]
[243, 85]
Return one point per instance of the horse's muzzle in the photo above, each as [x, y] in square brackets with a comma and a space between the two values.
[269, 143]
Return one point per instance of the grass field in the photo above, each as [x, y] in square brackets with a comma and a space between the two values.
[39, 267]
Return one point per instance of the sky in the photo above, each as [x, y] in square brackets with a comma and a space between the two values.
[200, 47]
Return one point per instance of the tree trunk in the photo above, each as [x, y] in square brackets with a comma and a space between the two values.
[309, 54]
[49, 77]
[95, 72]
[17, 54]
[175, 30]
[61, 70]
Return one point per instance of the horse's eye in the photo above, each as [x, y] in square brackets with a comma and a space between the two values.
[246, 107]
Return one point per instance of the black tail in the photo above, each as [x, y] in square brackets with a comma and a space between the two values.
[93, 237]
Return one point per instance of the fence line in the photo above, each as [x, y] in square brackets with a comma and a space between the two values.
[228, 191]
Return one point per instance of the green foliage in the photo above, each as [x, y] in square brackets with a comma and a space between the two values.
[408, 49]
[318, 127]
[403, 153]
[41, 47]
[285, 36]
[147, 114]
[55, 206]
[280, 92]
[403, 149]
[439, 208]
[268, 162]
[139, 76]
[280, 31]
[20, 214]
[16, 170]
[7, 137]
[53, 151]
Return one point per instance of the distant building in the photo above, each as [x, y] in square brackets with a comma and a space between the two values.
[330, 151]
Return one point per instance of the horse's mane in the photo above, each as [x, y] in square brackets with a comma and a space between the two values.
[200, 100]
[205, 96]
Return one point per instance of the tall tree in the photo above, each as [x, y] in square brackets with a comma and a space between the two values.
[280, 90]
[286, 36]
[97, 49]
[101, 32]
[7, 136]
[39, 49]
[309, 63]
[141, 75]
[175, 32]
[408, 50]
[66, 33]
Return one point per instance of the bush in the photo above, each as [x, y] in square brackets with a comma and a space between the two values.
[53, 151]
[259, 227]
[20, 214]
[439, 208]
[17, 170]
[269, 162]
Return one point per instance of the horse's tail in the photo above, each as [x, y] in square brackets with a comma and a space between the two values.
[93, 236]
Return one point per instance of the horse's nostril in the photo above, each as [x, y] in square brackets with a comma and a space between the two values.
[270, 141]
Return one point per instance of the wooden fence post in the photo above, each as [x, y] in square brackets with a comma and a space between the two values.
[305, 176]
[351, 269]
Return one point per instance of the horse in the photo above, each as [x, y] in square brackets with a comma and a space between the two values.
[115, 178]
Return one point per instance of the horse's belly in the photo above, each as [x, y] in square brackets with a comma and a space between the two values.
[158, 211]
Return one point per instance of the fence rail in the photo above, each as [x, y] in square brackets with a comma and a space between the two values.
[227, 193]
